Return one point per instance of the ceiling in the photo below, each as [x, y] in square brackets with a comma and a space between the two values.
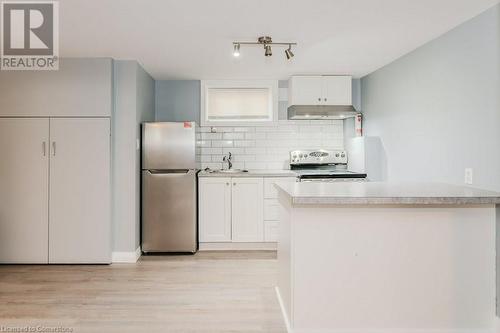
[192, 39]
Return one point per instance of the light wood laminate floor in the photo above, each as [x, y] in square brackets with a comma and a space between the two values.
[207, 292]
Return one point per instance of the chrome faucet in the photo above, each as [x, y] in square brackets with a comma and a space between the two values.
[229, 160]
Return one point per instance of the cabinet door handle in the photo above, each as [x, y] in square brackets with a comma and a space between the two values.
[53, 148]
[325, 99]
[319, 99]
[227, 184]
[234, 184]
[44, 148]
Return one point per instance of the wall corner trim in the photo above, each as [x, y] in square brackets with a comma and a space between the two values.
[126, 257]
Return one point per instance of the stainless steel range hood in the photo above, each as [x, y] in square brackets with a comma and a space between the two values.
[312, 112]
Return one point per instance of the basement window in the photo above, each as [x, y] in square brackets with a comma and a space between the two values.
[230, 103]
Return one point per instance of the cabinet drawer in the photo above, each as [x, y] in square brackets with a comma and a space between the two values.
[271, 231]
[271, 209]
[270, 191]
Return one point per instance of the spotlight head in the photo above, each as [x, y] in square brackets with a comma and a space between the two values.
[236, 51]
[269, 51]
[288, 52]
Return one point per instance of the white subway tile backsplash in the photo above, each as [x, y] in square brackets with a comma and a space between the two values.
[280, 135]
[255, 136]
[244, 129]
[244, 143]
[266, 147]
[204, 158]
[255, 150]
[255, 165]
[266, 129]
[211, 165]
[233, 136]
[211, 151]
[203, 143]
[217, 158]
[222, 143]
[244, 158]
[211, 136]
[311, 128]
[233, 150]
[278, 165]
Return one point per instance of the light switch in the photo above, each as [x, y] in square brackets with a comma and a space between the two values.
[468, 176]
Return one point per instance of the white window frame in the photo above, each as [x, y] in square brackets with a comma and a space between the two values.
[269, 84]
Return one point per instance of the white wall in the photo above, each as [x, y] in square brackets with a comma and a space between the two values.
[437, 109]
[134, 103]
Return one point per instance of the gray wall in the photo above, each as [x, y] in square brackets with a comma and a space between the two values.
[134, 103]
[178, 100]
[437, 109]
[145, 106]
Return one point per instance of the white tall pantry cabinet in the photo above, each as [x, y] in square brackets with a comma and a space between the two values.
[79, 200]
[55, 159]
[55, 193]
[24, 190]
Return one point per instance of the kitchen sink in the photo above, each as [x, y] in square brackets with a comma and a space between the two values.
[228, 171]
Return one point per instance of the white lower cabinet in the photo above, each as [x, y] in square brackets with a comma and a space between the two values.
[231, 209]
[215, 209]
[247, 211]
[239, 209]
[55, 190]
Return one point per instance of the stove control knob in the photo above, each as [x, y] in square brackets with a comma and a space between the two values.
[337, 155]
[343, 155]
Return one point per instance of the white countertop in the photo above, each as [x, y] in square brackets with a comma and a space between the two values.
[348, 193]
[250, 173]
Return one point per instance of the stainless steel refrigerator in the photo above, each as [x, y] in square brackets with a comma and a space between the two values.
[169, 187]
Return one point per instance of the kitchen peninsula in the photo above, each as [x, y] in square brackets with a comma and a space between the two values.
[382, 257]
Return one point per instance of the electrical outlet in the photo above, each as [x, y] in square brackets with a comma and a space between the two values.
[468, 176]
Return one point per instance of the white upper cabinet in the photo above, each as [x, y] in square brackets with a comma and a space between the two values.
[337, 90]
[305, 90]
[320, 90]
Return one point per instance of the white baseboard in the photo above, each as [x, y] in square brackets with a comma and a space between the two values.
[283, 310]
[126, 257]
[230, 246]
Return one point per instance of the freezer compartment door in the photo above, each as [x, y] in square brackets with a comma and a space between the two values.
[169, 211]
[167, 146]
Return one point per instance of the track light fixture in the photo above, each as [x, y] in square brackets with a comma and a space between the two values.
[288, 52]
[236, 51]
[265, 41]
[268, 52]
